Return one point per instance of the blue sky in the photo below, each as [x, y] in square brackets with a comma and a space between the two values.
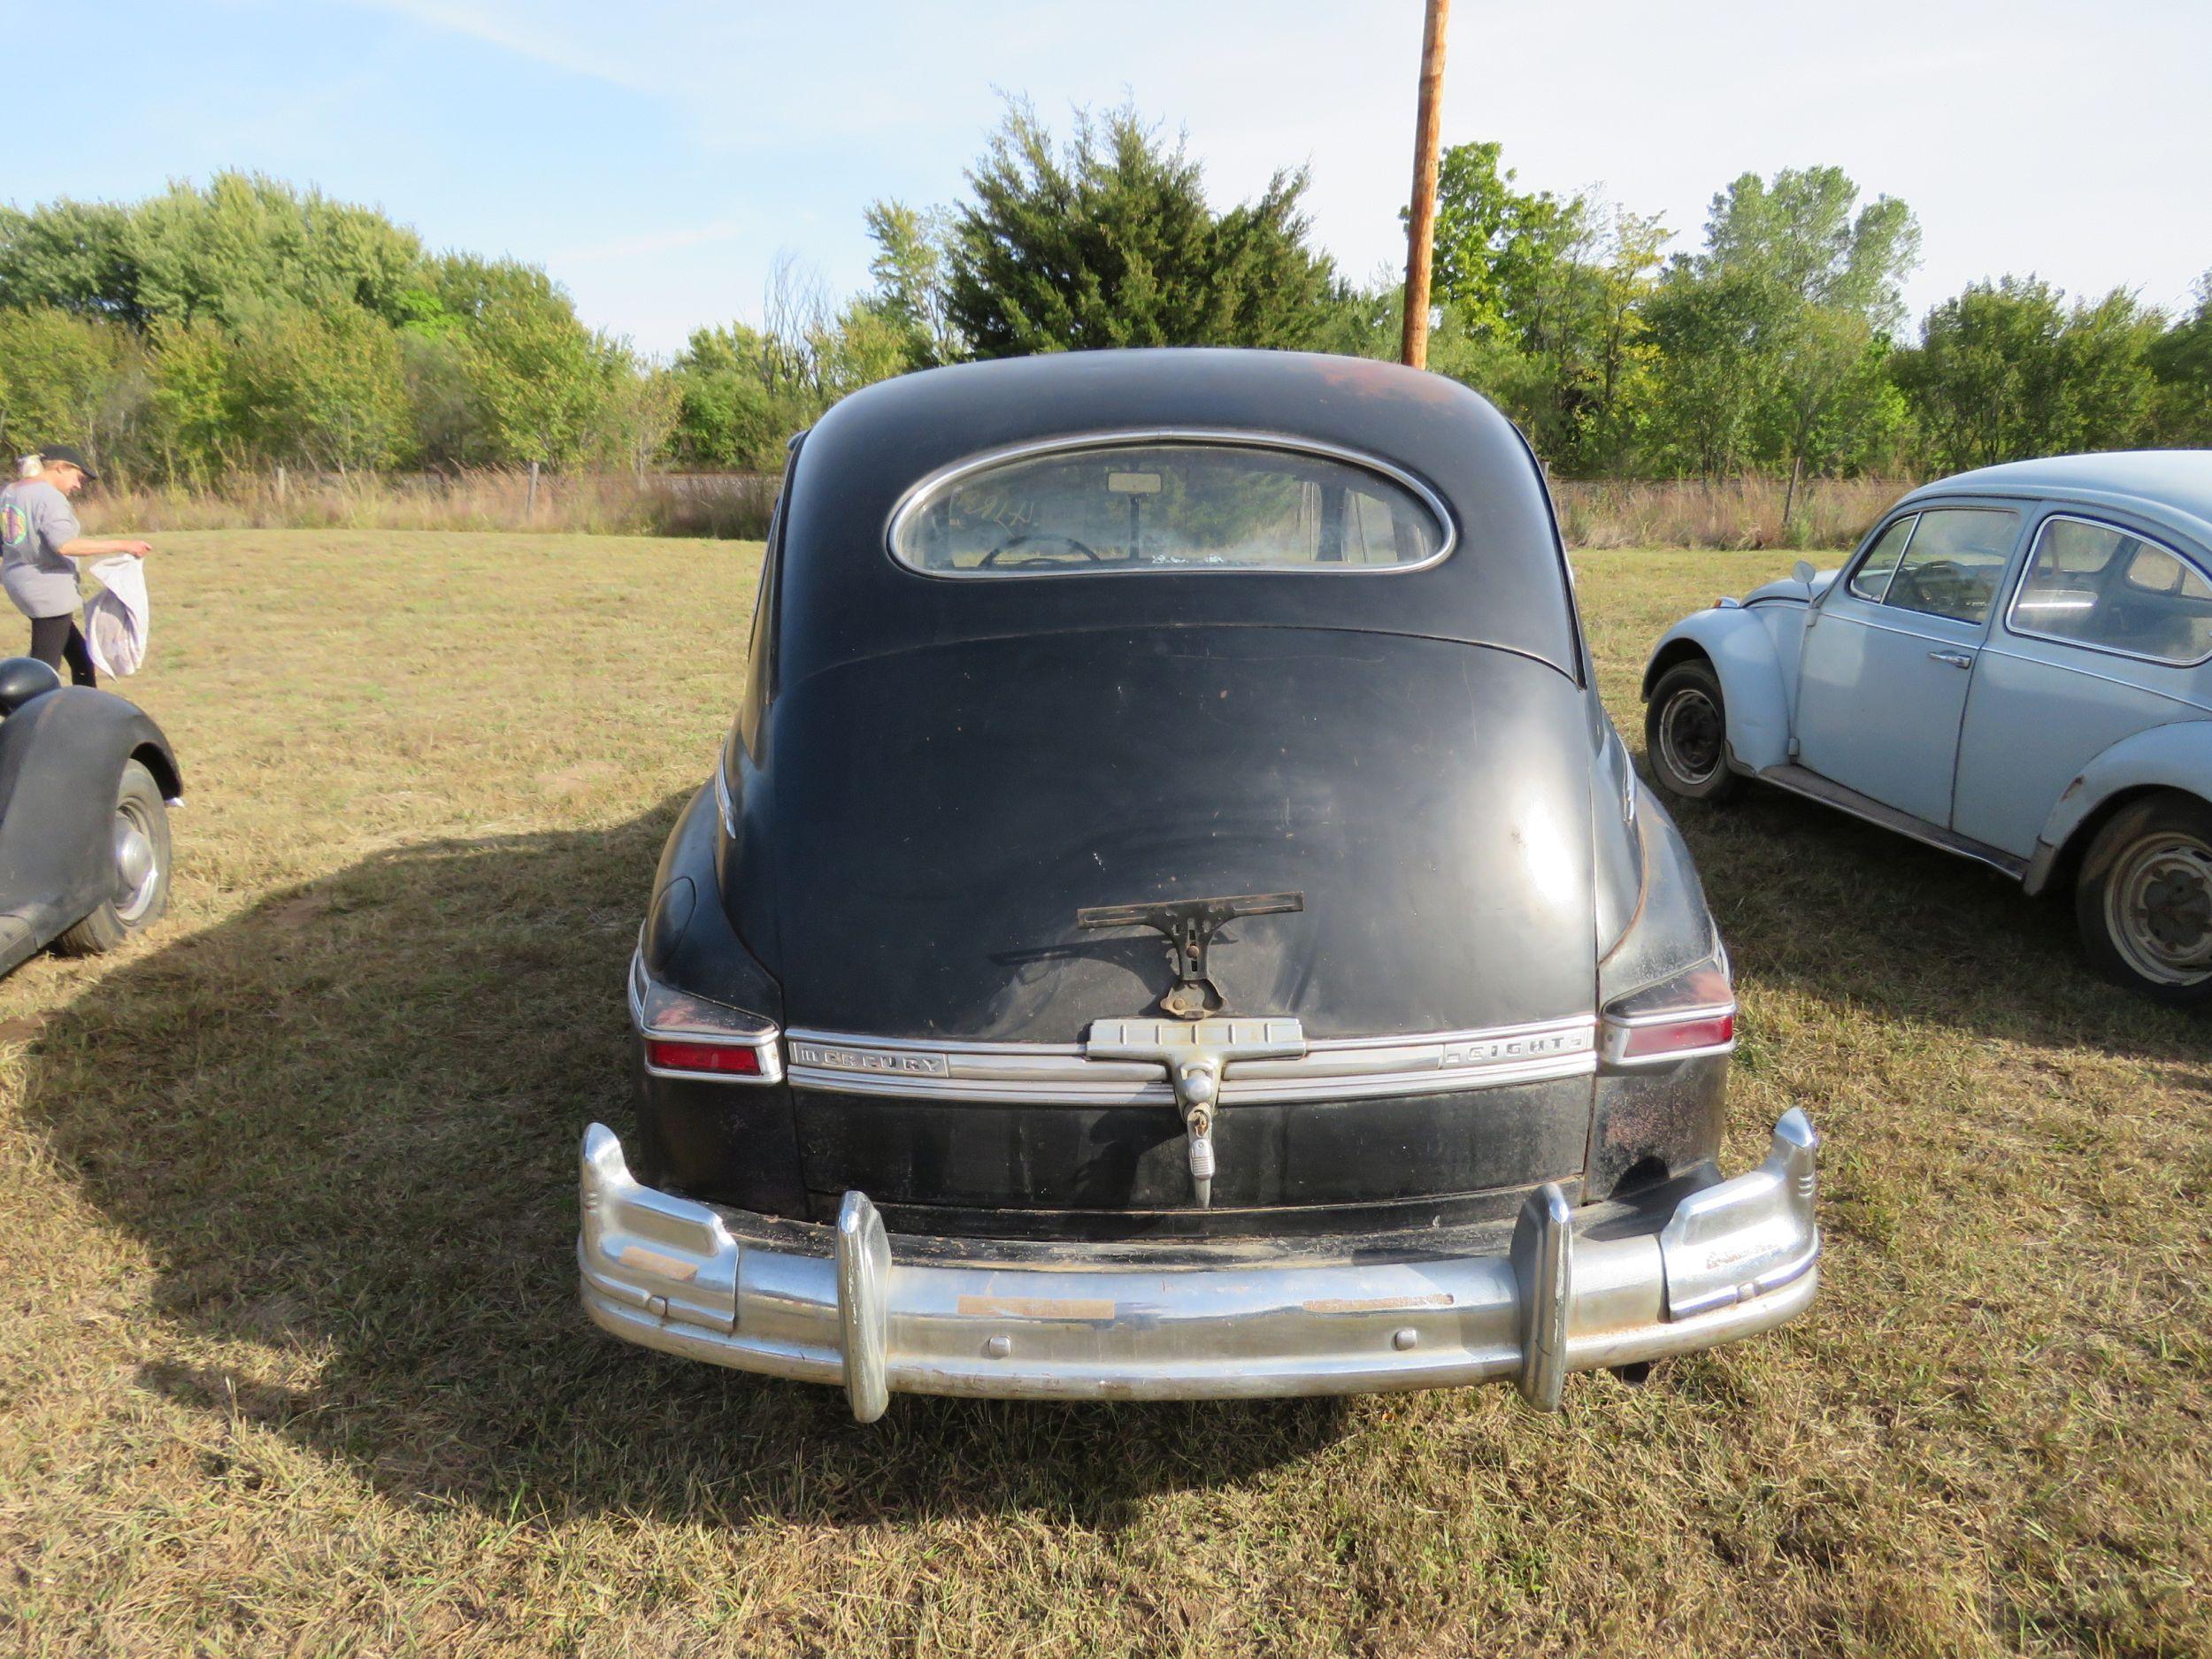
[657, 157]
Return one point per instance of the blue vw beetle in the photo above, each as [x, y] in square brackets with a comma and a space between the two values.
[2014, 665]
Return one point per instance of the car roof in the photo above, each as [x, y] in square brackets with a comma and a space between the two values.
[2173, 487]
[843, 596]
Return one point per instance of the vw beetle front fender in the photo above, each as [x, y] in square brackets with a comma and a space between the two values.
[1742, 654]
[2178, 757]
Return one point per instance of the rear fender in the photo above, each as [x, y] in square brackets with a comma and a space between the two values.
[2178, 757]
[61, 760]
[1742, 653]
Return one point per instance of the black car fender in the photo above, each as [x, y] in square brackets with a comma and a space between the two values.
[1657, 1121]
[734, 1141]
[62, 756]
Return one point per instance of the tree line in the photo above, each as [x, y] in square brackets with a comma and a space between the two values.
[248, 324]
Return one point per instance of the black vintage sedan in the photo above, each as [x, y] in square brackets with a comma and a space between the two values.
[85, 780]
[1172, 919]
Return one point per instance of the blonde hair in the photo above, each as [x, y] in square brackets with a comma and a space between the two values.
[30, 465]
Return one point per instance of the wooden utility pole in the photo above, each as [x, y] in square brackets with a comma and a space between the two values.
[1421, 221]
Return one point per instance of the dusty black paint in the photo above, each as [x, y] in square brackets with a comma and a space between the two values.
[932, 776]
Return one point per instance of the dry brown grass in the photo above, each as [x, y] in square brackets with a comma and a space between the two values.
[291, 1360]
[1735, 513]
[596, 504]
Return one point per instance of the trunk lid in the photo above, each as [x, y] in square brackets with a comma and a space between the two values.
[940, 817]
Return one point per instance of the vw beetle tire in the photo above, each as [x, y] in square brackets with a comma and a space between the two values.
[138, 840]
[1685, 733]
[2144, 899]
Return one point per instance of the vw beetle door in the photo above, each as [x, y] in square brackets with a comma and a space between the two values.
[1889, 654]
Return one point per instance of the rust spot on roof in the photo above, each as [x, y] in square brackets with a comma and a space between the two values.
[1370, 377]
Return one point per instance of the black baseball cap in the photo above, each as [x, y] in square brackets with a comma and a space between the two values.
[70, 453]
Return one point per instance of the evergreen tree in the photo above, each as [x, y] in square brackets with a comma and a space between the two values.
[1110, 242]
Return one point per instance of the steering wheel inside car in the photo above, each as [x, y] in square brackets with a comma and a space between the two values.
[991, 558]
[1928, 584]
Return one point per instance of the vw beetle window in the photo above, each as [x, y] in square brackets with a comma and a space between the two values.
[1953, 563]
[1872, 579]
[1166, 506]
[2096, 585]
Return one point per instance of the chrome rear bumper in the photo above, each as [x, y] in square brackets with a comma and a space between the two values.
[1735, 1258]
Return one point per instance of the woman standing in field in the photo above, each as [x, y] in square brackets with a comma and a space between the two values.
[39, 535]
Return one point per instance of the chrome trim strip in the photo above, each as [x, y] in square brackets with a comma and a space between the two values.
[1054, 1074]
[724, 801]
[763, 1041]
[918, 496]
[2027, 569]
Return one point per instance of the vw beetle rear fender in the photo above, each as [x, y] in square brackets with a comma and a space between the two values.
[2178, 757]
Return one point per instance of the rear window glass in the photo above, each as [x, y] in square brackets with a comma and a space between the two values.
[2096, 585]
[1168, 506]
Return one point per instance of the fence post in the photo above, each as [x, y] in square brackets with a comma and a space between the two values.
[530, 501]
[279, 484]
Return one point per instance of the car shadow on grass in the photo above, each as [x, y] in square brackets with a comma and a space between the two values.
[344, 1126]
[1870, 921]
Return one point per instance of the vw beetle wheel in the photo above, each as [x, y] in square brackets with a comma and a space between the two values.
[2144, 901]
[138, 854]
[1685, 733]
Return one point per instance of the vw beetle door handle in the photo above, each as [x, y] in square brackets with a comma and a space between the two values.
[1956, 659]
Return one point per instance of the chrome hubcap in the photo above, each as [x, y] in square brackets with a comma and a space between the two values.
[135, 866]
[2158, 908]
[1690, 735]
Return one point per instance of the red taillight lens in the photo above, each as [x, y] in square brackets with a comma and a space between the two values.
[1675, 1036]
[1693, 1012]
[702, 1056]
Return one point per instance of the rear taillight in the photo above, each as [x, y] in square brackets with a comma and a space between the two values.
[1692, 1013]
[686, 1035]
[667, 1056]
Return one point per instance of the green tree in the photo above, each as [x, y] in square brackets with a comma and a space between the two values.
[1772, 339]
[59, 380]
[319, 388]
[539, 381]
[910, 270]
[192, 427]
[2008, 370]
[2181, 361]
[1542, 304]
[1111, 242]
[73, 256]
[1497, 249]
[728, 412]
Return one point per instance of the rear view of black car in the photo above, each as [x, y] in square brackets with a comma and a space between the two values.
[1172, 919]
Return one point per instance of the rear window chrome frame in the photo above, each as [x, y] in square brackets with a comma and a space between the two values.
[2142, 538]
[925, 492]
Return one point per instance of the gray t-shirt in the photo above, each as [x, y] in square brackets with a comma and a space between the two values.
[36, 521]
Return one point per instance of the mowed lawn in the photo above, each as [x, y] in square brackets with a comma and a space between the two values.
[290, 1360]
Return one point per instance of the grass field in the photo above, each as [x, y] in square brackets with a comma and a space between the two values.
[289, 1354]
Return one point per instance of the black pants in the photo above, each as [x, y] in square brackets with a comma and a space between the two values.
[54, 639]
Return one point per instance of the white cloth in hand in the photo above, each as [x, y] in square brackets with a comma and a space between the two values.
[119, 620]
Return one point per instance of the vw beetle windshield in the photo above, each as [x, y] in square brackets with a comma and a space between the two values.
[1167, 506]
